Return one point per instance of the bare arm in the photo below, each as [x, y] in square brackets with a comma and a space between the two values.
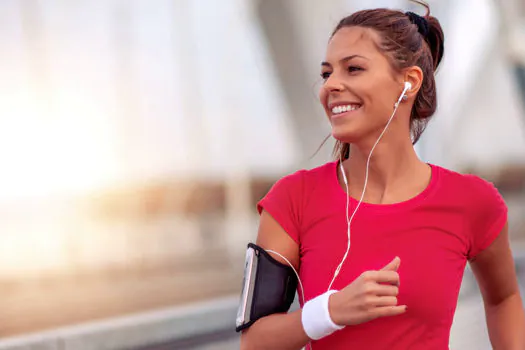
[496, 276]
[279, 331]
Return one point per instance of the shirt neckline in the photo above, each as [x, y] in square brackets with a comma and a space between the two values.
[407, 204]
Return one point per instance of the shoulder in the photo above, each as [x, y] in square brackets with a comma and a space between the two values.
[468, 186]
[477, 197]
[296, 188]
[300, 179]
[285, 201]
[483, 206]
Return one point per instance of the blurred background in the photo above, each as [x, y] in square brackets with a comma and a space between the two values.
[136, 137]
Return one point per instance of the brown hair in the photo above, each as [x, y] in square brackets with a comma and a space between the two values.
[405, 46]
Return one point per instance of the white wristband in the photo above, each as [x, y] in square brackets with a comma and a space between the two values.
[316, 319]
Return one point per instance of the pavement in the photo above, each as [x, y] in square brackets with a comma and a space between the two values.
[31, 306]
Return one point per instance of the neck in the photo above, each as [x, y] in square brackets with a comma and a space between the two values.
[392, 162]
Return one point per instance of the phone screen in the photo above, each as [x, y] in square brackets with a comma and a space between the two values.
[246, 284]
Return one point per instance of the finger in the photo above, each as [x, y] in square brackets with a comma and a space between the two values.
[393, 265]
[386, 290]
[387, 311]
[385, 301]
[390, 277]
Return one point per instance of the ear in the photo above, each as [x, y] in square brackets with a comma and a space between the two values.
[414, 75]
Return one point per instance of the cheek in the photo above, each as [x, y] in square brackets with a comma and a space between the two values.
[380, 96]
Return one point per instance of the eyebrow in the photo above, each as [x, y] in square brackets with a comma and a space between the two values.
[347, 58]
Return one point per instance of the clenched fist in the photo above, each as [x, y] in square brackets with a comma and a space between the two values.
[371, 295]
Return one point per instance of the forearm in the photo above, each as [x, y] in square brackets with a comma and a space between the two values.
[276, 332]
[506, 324]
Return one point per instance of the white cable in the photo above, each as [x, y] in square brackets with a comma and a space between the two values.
[349, 220]
[293, 268]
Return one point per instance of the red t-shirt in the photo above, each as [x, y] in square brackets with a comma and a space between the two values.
[434, 234]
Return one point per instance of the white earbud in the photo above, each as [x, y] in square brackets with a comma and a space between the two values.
[403, 95]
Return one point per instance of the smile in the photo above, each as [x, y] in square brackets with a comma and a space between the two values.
[339, 110]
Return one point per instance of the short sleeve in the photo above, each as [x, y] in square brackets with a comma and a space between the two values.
[488, 215]
[284, 203]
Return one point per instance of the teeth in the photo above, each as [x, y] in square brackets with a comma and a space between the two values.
[345, 108]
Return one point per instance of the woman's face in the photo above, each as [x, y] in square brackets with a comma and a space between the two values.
[360, 87]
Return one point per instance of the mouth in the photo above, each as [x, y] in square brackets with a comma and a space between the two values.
[343, 110]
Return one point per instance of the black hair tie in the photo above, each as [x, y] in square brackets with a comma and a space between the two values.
[421, 22]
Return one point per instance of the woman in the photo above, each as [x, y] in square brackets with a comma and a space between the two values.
[394, 283]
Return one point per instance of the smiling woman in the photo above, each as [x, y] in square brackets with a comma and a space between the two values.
[415, 223]
[373, 70]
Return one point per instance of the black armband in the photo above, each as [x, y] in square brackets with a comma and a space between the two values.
[268, 287]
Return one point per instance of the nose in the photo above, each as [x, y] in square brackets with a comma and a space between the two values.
[333, 84]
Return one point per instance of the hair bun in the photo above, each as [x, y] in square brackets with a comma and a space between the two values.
[435, 40]
[421, 22]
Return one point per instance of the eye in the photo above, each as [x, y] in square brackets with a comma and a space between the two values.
[325, 75]
[354, 69]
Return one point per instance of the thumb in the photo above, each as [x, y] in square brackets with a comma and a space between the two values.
[393, 265]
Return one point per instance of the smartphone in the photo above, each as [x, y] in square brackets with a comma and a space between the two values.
[250, 271]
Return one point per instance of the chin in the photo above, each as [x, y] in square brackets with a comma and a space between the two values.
[345, 135]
